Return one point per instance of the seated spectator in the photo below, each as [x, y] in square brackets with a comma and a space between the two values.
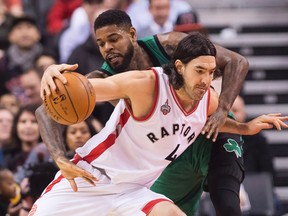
[45, 59]
[10, 102]
[24, 37]
[25, 136]
[14, 7]
[76, 135]
[5, 22]
[160, 23]
[6, 121]
[30, 82]
[141, 17]
[87, 56]
[79, 28]
[36, 180]
[59, 15]
[39, 10]
[8, 191]
[188, 22]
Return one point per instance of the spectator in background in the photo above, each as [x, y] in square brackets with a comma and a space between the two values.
[141, 17]
[45, 59]
[30, 82]
[257, 157]
[160, 23]
[10, 102]
[24, 137]
[25, 45]
[59, 15]
[6, 121]
[76, 135]
[188, 22]
[39, 10]
[87, 56]
[80, 27]
[8, 191]
[14, 7]
[5, 22]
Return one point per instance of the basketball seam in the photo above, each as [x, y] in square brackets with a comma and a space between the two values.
[87, 90]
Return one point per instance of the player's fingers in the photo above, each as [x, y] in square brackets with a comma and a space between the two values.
[215, 135]
[73, 184]
[274, 114]
[283, 124]
[279, 124]
[206, 128]
[283, 118]
[67, 67]
[211, 131]
[90, 181]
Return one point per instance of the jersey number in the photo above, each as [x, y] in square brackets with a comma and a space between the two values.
[172, 156]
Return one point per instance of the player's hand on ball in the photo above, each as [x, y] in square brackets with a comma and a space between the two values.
[266, 122]
[70, 171]
[54, 71]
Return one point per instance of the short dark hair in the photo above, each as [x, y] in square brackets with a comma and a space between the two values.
[192, 46]
[113, 17]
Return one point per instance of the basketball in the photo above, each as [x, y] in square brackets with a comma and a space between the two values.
[73, 102]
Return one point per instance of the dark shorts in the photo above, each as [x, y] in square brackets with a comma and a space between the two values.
[184, 179]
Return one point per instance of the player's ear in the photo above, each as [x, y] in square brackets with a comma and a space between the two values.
[133, 33]
[179, 65]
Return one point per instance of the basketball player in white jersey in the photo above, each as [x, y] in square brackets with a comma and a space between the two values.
[160, 113]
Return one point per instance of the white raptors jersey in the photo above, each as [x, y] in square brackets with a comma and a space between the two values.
[134, 150]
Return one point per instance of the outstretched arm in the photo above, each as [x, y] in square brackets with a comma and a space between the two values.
[51, 133]
[250, 128]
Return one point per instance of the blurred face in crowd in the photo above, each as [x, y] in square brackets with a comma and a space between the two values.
[77, 135]
[31, 83]
[6, 121]
[7, 184]
[160, 10]
[43, 62]
[27, 128]
[10, 102]
[24, 35]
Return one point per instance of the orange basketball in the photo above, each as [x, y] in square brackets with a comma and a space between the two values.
[72, 102]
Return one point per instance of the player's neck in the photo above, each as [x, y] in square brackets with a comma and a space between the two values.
[140, 60]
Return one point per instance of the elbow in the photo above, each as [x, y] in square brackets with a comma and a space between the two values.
[244, 63]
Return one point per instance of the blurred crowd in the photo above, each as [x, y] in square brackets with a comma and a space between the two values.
[36, 34]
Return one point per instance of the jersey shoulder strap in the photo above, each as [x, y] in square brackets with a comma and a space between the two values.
[155, 50]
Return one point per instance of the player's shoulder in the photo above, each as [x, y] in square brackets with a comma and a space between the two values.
[171, 37]
[169, 41]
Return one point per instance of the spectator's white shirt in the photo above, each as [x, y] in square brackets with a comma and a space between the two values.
[77, 33]
[141, 17]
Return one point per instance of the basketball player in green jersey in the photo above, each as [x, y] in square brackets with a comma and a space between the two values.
[183, 180]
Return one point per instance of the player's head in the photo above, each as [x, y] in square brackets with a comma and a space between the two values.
[195, 54]
[115, 37]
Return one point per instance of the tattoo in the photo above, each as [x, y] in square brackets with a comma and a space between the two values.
[51, 133]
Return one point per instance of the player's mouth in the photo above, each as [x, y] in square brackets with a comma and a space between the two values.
[113, 58]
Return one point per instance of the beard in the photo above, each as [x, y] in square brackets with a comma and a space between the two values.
[126, 60]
